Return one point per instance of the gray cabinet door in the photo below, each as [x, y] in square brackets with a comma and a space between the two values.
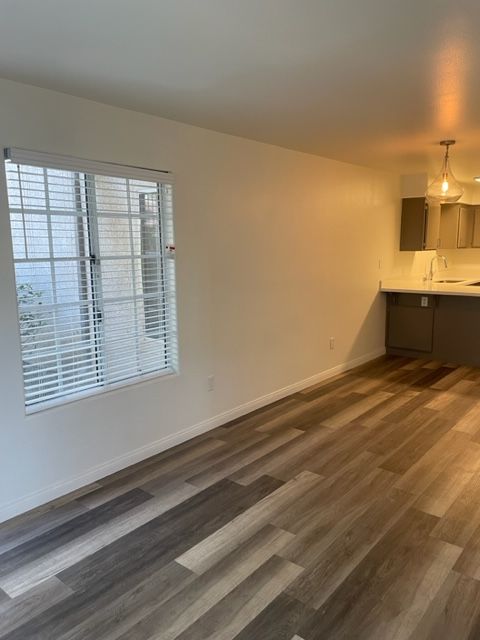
[465, 227]
[432, 234]
[456, 226]
[476, 227]
[414, 220]
[449, 226]
[457, 329]
[409, 325]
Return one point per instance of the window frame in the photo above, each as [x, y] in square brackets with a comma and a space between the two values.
[166, 252]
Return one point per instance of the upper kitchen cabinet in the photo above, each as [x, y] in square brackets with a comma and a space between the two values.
[476, 227]
[457, 226]
[420, 225]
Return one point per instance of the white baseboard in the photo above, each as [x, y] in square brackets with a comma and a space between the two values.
[54, 491]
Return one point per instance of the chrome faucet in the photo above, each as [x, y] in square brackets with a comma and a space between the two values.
[430, 273]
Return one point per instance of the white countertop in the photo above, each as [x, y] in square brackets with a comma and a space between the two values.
[416, 285]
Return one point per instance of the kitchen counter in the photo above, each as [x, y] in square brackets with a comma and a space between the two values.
[437, 320]
[416, 285]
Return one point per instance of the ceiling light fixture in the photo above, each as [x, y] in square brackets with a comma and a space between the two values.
[476, 178]
[445, 188]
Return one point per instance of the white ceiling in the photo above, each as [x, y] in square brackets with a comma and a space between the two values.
[376, 82]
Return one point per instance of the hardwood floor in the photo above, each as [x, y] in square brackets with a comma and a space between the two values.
[350, 510]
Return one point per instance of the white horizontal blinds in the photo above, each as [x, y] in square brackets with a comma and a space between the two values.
[95, 279]
[130, 257]
[69, 163]
[49, 225]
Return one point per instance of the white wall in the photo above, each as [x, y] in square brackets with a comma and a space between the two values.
[277, 251]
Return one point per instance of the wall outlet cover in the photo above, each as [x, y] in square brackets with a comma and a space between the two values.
[211, 383]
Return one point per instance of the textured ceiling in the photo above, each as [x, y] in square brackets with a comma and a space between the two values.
[375, 82]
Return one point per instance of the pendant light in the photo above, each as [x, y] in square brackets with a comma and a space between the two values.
[445, 187]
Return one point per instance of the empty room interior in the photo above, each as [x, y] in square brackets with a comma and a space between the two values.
[239, 320]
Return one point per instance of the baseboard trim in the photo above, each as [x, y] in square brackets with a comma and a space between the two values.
[57, 490]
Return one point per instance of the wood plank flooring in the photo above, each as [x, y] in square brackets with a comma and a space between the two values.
[350, 510]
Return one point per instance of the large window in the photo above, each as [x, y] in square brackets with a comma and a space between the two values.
[95, 274]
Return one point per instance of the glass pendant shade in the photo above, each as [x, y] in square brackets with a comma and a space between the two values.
[445, 188]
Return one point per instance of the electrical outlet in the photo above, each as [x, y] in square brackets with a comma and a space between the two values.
[211, 383]
[332, 343]
[424, 301]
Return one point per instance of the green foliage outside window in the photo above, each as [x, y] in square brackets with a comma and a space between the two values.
[30, 321]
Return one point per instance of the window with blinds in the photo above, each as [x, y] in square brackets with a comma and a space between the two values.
[94, 261]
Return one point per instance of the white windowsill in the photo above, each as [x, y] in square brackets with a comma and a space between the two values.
[96, 391]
